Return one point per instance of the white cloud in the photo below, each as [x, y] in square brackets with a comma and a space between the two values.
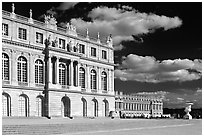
[66, 5]
[124, 22]
[148, 69]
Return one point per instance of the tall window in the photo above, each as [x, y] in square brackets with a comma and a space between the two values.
[93, 79]
[22, 69]
[104, 54]
[39, 72]
[23, 106]
[82, 77]
[5, 29]
[6, 104]
[81, 48]
[103, 81]
[39, 38]
[5, 67]
[93, 51]
[62, 74]
[62, 43]
[22, 33]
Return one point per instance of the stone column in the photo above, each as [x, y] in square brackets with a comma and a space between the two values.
[87, 74]
[77, 74]
[136, 106]
[57, 70]
[71, 72]
[112, 79]
[50, 69]
[99, 79]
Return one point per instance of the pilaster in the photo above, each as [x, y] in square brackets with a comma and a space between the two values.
[71, 73]
[32, 71]
[13, 68]
[88, 77]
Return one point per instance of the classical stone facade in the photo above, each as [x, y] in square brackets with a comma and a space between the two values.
[54, 72]
[138, 105]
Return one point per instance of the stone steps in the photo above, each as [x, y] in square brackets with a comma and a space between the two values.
[33, 129]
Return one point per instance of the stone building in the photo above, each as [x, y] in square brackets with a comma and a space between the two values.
[138, 105]
[54, 72]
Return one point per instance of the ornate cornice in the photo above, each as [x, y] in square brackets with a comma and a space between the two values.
[21, 44]
[53, 49]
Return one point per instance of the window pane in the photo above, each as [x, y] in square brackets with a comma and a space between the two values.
[82, 77]
[5, 67]
[5, 29]
[22, 33]
[22, 69]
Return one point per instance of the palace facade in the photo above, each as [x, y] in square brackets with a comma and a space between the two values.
[54, 72]
[138, 105]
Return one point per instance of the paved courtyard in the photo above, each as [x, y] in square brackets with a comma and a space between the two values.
[101, 126]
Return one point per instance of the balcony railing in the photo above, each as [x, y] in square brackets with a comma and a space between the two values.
[94, 90]
[39, 85]
[104, 91]
[5, 82]
[23, 83]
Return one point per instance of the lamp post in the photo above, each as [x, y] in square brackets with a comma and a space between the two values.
[47, 69]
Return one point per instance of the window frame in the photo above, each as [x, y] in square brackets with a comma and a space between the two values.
[62, 42]
[82, 48]
[93, 52]
[23, 66]
[82, 77]
[39, 40]
[21, 34]
[5, 60]
[62, 74]
[104, 54]
[5, 33]
[93, 79]
[39, 72]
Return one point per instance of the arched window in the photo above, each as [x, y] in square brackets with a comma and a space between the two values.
[82, 77]
[39, 106]
[104, 81]
[5, 67]
[62, 74]
[22, 69]
[23, 106]
[66, 106]
[95, 107]
[84, 105]
[6, 104]
[93, 79]
[39, 72]
[106, 108]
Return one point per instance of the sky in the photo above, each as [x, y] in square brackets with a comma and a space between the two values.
[157, 46]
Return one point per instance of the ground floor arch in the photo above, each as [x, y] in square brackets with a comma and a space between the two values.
[66, 106]
[106, 107]
[95, 107]
[84, 107]
[23, 105]
[40, 106]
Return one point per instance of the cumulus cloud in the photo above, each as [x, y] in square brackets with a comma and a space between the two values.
[148, 69]
[66, 5]
[124, 22]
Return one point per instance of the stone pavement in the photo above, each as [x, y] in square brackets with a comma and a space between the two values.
[100, 126]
